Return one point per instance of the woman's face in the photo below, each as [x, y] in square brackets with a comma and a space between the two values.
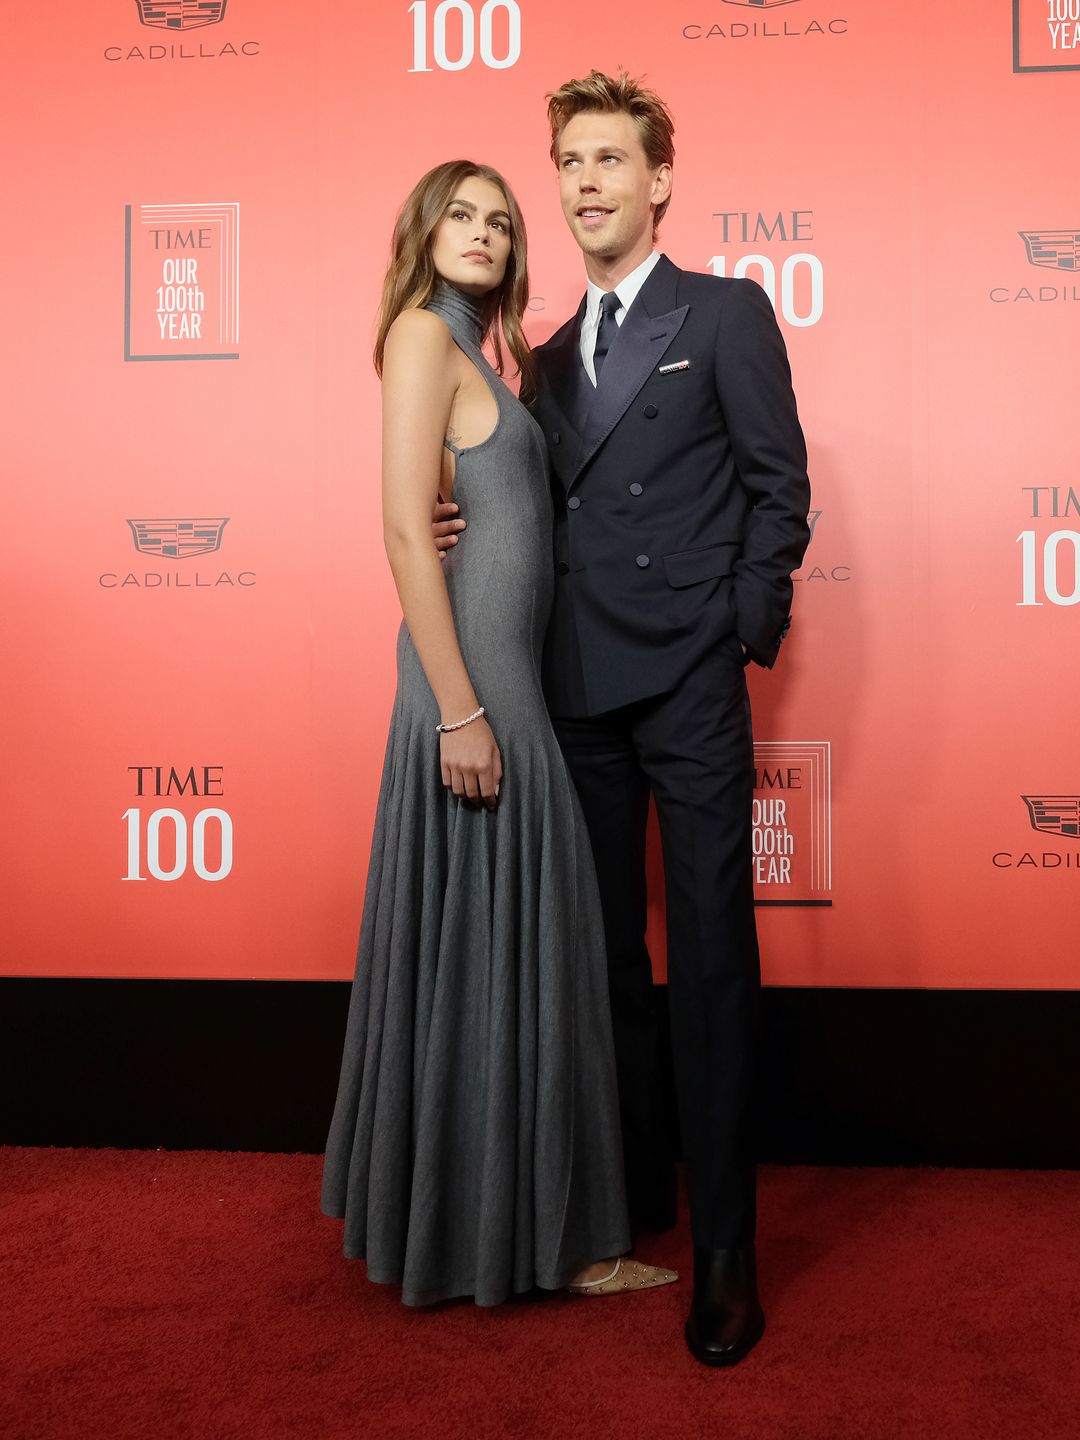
[471, 244]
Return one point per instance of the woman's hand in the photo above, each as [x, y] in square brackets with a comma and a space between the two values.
[471, 763]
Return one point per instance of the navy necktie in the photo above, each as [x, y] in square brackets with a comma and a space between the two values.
[605, 330]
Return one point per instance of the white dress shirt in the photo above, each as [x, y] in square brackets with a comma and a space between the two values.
[626, 290]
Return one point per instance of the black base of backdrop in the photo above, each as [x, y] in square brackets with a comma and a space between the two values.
[849, 1076]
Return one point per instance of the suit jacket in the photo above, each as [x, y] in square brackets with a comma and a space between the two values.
[680, 491]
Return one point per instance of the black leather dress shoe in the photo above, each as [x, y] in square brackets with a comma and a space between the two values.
[726, 1320]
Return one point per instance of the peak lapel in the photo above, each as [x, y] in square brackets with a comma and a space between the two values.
[649, 328]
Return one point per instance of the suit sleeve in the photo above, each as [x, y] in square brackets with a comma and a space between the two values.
[754, 387]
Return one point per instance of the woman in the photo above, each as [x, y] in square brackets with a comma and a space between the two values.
[474, 1148]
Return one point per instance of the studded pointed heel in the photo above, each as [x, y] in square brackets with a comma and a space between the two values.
[627, 1275]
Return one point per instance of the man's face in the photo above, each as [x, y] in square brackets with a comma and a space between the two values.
[607, 189]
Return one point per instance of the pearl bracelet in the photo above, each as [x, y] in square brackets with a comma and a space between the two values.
[457, 725]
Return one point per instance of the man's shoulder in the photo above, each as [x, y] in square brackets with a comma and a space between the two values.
[723, 300]
[696, 287]
[554, 341]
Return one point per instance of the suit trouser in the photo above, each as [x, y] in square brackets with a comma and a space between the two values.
[693, 748]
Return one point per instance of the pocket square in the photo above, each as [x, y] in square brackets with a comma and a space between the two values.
[675, 365]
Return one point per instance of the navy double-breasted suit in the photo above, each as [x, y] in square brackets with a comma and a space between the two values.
[680, 490]
[681, 497]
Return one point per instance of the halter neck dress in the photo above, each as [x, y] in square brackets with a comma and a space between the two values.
[475, 1144]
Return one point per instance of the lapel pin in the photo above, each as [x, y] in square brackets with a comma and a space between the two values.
[675, 365]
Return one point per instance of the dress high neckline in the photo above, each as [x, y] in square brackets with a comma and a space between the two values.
[463, 313]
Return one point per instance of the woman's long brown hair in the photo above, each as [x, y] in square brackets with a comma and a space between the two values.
[411, 276]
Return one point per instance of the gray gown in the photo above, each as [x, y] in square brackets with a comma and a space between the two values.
[475, 1146]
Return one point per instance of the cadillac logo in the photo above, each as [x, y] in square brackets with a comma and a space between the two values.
[181, 14]
[1053, 249]
[177, 539]
[1054, 814]
[760, 4]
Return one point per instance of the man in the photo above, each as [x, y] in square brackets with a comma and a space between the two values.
[681, 495]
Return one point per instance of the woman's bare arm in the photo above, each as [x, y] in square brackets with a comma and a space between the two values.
[420, 380]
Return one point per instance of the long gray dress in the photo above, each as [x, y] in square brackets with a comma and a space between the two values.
[475, 1145]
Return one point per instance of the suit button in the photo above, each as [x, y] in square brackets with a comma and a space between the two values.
[555, 437]
[643, 562]
[636, 489]
[563, 568]
[574, 503]
[650, 412]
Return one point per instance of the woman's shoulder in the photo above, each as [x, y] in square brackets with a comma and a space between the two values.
[419, 328]
[418, 349]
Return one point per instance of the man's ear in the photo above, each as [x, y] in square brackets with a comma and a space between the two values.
[661, 184]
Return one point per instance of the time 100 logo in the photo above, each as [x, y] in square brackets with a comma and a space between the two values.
[476, 32]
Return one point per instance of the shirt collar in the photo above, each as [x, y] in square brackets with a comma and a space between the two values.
[627, 288]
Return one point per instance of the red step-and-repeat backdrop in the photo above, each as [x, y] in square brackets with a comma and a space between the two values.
[199, 618]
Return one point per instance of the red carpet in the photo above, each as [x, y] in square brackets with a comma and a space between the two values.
[151, 1294]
